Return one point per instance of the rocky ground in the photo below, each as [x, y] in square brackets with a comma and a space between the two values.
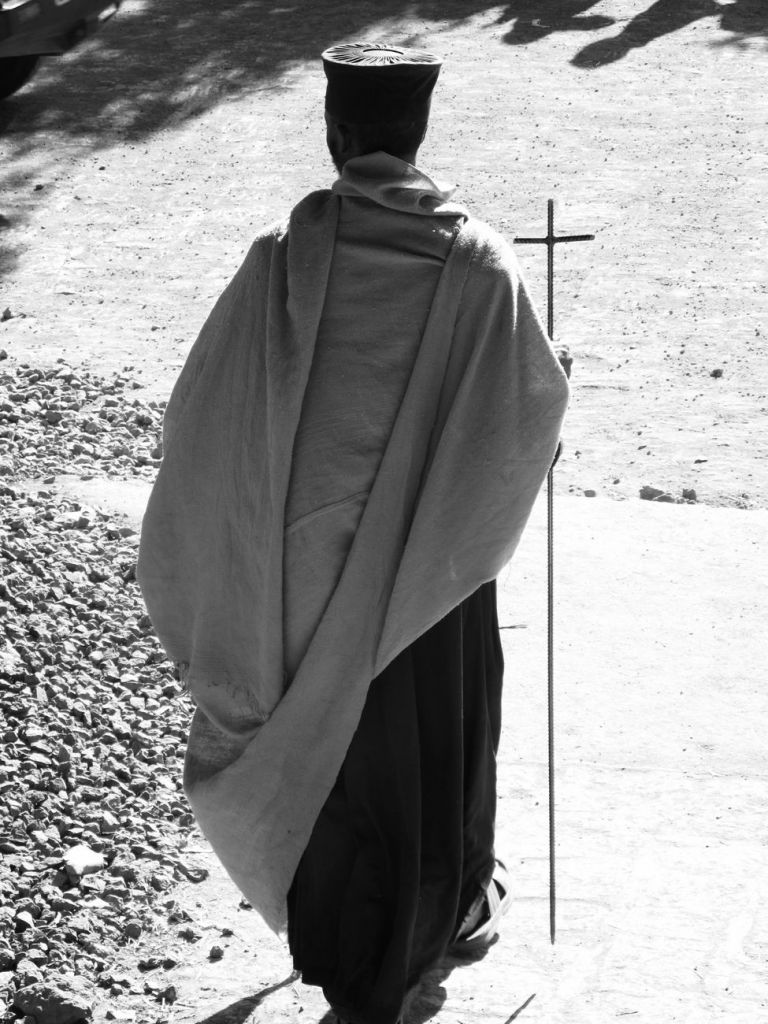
[93, 823]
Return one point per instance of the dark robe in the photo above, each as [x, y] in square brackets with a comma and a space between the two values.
[404, 842]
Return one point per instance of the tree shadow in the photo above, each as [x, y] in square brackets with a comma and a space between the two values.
[13, 219]
[160, 62]
[7, 254]
[660, 19]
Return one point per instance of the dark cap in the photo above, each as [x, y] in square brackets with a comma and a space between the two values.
[373, 82]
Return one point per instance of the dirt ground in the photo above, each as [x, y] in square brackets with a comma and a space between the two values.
[135, 171]
[133, 174]
[660, 788]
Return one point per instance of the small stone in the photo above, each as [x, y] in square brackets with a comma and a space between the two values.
[215, 953]
[124, 869]
[5, 315]
[150, 963]
[689, 494]
[82, 860]
[132, 929]
[716, 372]
[28, 973]
[115, 982]
[655, 494]
[47, 839]
[589, 493]
[108, 823]
[192, 874]
[64, 1000]
[167, 995]
[63, 904]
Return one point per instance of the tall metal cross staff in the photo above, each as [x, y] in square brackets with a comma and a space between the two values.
[551, 240]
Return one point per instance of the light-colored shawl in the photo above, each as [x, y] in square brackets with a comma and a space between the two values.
[470, 447]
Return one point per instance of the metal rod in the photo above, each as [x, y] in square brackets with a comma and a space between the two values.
[551, 241]
[551, 696]
[551, 269]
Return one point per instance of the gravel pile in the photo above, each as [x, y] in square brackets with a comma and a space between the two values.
[92, 720]
[61, 420]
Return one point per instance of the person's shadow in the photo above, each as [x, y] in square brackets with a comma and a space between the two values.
[239, 1011]
[422, 1005]
[745, 18]
[428, 999]
[534, 20]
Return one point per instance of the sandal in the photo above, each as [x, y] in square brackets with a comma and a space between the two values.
[492, 906]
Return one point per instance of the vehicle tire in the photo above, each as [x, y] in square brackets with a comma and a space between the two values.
[15, 71]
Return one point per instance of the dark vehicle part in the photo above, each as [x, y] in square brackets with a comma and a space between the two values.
[14, 72]
[31, 28]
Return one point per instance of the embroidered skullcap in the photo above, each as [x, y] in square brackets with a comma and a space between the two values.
[369, 83]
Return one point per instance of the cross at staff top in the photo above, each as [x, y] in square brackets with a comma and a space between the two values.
[551, 240]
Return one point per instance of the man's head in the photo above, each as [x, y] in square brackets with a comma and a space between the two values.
[378, 98]
[399, 138]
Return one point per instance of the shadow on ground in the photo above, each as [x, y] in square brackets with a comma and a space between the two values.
[533, 20]
[430, 996]
[238, 1012]
[160, 61]
[744, 19]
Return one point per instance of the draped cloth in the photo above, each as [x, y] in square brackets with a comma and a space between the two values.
[475, 431]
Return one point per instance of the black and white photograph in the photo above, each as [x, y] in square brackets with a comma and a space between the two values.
[383, 511]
